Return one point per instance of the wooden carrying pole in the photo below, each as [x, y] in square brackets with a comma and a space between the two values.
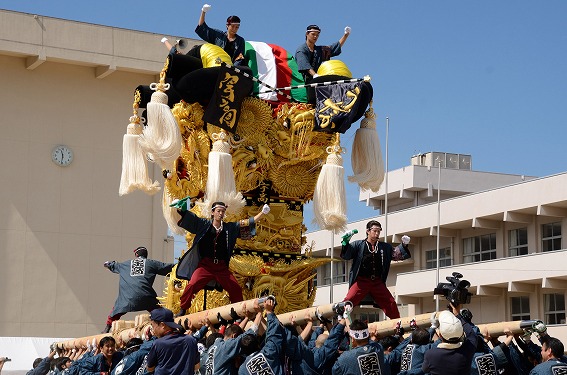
[122, 331]
[388, 327]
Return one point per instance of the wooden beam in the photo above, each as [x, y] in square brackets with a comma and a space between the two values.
[518, 287]
[406, 194]
[549, 283]
[443, 232]
[478, 222]
[551, 211]
[485, 290]
[104, 71]
[33, 62]
[514, 217]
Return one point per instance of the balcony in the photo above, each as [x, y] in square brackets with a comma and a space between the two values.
[521, 275]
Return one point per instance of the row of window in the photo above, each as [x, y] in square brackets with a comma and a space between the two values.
[474, 249]
[483, 247]
[553, 308]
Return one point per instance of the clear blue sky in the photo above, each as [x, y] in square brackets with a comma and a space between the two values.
[486, 78]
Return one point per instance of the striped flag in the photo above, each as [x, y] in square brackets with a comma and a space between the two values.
[275, 66]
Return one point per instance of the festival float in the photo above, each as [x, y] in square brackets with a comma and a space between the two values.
[250, 136]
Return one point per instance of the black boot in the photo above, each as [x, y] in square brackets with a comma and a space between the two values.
[180, 313]
[107, 328]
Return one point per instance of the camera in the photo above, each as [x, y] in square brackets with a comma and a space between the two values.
[456, 290]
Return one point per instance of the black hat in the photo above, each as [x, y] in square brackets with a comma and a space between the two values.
[233, 19]
[141, 251]
[165, 316]
[313, 28]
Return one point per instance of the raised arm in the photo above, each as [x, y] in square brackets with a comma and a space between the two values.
[265, 210]
[345, 36]
[204, 10]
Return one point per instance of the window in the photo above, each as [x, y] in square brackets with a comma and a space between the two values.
[554, 308]
[520, 308]
[518, 242]
[369, 317]
[551, 236]
[479, 248]
[339, 273]
[444, 258]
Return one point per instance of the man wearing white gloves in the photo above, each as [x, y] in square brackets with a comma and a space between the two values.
[310, 56]
[230, 41]
[211, 251]
[370, 267]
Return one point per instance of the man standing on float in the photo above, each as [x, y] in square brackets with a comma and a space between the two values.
[370, 267]
[211, 251]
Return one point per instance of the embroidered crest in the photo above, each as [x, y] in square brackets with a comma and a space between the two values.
[258, 365]
[369, 364]
[137, 267]
[485, 364]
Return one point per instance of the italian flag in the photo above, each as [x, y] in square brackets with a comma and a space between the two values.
[276, 67]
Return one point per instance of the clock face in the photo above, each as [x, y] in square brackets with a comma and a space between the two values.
[62, 156]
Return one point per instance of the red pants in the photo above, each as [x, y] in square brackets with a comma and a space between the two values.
[206, 271]
[376, 288]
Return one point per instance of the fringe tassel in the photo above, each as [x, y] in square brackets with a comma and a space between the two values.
[221, 186]
[367, 162]
[134, 169]
[161, 137]
[329, 198]
[170, 214]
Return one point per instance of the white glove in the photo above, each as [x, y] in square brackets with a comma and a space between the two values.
[347, 30]
[205, 8]
[434, 321]
[406, 240]
[164, 39]
[266, 209]
[315, 75]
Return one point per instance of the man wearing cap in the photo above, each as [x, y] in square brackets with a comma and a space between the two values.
[370, 267]
[230, 41]
[364, 357]
[453, 355]
[135, 290]
[310, 56]
[210, 254]
[173, 353]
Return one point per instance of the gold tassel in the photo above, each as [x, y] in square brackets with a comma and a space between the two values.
[221, 186]
[134, 169]
[329, 198]
[367, 163]
[161, 137]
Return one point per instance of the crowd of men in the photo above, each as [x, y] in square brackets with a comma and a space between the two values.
[260, 344]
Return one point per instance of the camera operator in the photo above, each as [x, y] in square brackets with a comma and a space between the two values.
[453, 355]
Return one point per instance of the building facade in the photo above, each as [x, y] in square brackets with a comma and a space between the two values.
[503, 233]
[69, 83]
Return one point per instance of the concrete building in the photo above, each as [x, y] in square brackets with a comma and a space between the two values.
[69, 83]
[502, 232]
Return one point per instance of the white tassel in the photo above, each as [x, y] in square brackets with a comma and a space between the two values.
[329, 198]
[171, 215]
[161, 137]
[221, 186]
[134, 168]
[367, 162]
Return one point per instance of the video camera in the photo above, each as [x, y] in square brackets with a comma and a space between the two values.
[456, 290]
